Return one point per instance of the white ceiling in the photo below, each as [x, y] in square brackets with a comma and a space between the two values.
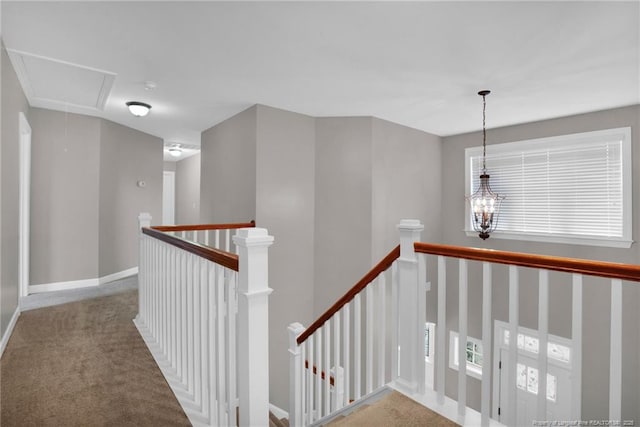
[419, 64]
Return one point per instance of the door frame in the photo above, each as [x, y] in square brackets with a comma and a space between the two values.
[169, 194]
[498, 345]
[24, 130]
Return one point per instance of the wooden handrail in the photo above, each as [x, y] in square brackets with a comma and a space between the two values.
[198, 227]
[346, 298]
[315, 372]
[218, 256]
[610, 270]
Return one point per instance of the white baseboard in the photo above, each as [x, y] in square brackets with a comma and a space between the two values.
[278, 412]
[9, 331]
[86, 283]
[117, 276]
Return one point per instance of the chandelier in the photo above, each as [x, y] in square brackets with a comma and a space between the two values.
[485, 204]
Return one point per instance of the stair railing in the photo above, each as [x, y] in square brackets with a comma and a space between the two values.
[383, 342]
[203, 313]
[355, 338]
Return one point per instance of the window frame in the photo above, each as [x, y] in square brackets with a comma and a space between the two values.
[623, 134]
[473, 370]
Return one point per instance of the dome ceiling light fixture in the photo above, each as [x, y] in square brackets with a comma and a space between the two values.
[138, 109]
[175, 150]
[485, 204]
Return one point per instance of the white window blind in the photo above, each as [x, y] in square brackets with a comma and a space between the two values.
[571, 189]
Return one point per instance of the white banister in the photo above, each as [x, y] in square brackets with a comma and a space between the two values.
[253, 325]
[615, 356]
[144, 221]
[381, 329]
[368, 365]
[346, 360]
[408, 294]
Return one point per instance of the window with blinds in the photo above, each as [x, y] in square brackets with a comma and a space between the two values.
[567, 189]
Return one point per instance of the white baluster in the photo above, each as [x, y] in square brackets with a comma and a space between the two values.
[144, 221]
[346, 361]
[326, 366]
[310, 379]
[184, 319]
[305, 390]
[216, 240]
[227, 240]
[381, 330]
[486, 344]
[232, 301]
[206, 237]
[576, 351]
[337, 403]
[338, 388]
[543, 330]
[190, 333]
[615, 357]
[173, 310]
[221, 349]
[514, 319]
[462, 337]
[357, 347]
[179, 332]
[197, 323]
[296, 373]
[204, 337]
[394, 321]
[369, 339]
[213, 348]
[318, 363]
[422, 320]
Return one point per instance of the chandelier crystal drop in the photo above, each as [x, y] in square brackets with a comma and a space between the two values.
[484, 203]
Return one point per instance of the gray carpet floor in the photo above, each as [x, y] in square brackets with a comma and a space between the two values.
[84, 364]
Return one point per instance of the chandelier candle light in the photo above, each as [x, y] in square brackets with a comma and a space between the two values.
[485, 204]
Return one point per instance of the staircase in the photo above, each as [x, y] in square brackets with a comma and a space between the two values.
[277, 422]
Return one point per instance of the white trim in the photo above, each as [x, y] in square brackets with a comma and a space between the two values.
[278, 412]
[24, 202]
[117, 276]
[86, 283]
[9, 331]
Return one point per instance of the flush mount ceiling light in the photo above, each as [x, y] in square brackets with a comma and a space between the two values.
[175, 151]
[485, 204]
[138, 109]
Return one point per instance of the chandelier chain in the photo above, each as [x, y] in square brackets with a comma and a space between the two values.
[484, 135]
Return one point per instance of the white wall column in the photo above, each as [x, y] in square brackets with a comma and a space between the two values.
[253, 325]
[144, 221]
[409, 316]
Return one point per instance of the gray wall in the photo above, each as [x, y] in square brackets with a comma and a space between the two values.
[406, 174]
[228, 169]
[187, 190]
[64, 196]
[343, 185]
[596, 298]
[13, 102]
[126, 157]
[285, 206]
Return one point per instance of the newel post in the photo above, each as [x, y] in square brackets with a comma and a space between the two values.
[410, 318]
[253, 325]
[296, 370]
[144, 221]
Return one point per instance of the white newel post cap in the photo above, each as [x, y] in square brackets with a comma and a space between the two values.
[144, 219]
[295, 329]
[252, 236]
[410, 230]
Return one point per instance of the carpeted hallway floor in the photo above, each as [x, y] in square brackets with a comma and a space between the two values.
[83, 364]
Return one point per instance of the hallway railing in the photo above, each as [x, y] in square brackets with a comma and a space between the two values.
[203, 312]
